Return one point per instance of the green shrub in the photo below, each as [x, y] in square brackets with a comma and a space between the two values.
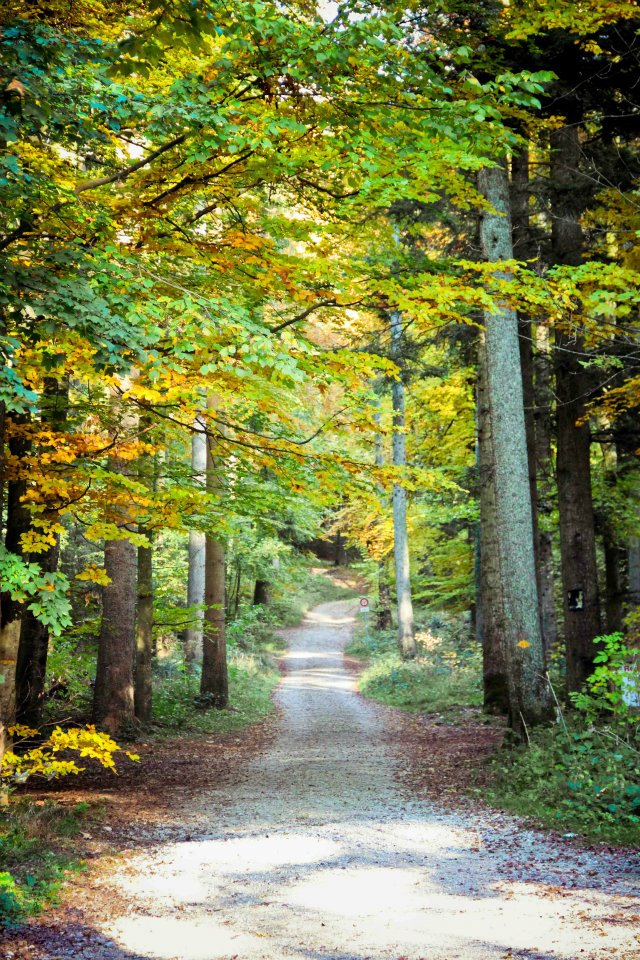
[583, 773]
[444, 677]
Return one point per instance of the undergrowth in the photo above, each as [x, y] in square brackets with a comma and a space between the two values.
[444, 678]
[583, 774]
[38, 850]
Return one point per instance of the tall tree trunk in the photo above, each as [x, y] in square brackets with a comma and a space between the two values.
[573, 465]
[523, 249]
[214, 682]
[491, 600]
[34, 636]
[195, 578]
[143, 695]
[113, 700]
[523, 645]
[143, 699]
[12, 611]
[633, 567]
[384, 620]
[546, 486]
[406, 638]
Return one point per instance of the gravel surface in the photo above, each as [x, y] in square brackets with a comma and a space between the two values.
[314, 849]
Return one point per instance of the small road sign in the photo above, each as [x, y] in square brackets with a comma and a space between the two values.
[364, 602]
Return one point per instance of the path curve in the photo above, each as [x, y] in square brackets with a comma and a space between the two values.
[314, 851]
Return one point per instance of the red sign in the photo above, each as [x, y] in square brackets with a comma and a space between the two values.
[364, 602]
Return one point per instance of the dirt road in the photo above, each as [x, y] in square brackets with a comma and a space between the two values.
[313, 850]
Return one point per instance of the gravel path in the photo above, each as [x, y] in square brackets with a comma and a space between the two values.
[314, 851]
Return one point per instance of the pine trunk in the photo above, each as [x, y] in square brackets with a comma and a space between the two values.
[573, 464]
[490, 601]
[523, 645]
[406, 638]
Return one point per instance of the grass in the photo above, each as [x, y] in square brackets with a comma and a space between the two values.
[38, 850]
[444, 678]
[250, 687]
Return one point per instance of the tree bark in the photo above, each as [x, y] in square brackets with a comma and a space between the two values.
[12, 611]
[214, 682]
[523, 645]
[490, 601]
[113, 700]
[195, 577]
[523, 250]
[406, 638]
[143, 698]
[543, 401]
[573, 464]
[34, 636]
[261, 593]
[384, 619]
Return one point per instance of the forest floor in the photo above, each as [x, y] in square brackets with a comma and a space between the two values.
[337, 829]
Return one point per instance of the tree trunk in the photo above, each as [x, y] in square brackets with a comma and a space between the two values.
[523, 249]
[633, 566]
[406, 638]
[113, 700]
[195, 580]
[543, 401]
[143, 699]
[491, 601]
[573, 465]
[384, 620]
[261, 593]
[34, 637]
[214, 682]
[523, 646]
[11, 611]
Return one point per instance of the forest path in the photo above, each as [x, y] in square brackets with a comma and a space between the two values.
[313, 844]
[314, 851]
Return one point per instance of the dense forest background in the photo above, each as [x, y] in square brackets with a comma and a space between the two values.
[359, 281]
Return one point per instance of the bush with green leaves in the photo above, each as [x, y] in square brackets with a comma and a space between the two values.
[583, 773]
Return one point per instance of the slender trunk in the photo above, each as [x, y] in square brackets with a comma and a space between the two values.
[573, 465]
[491, 600]
[214, 682]
[406, 638]
[523, 645]
[113, 700]
[384, 620]
[34, 636]
[543, 401]
[12, 611]
[143, 699]
[613, 561]
[195, 580]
